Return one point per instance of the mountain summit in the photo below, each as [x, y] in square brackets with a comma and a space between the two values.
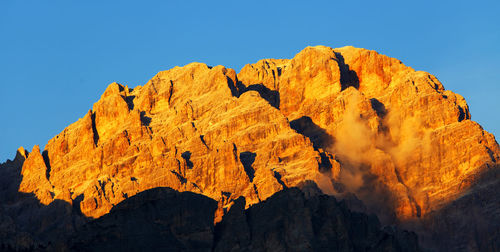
[361, 126]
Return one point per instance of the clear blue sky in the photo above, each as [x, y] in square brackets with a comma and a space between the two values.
[57, 57]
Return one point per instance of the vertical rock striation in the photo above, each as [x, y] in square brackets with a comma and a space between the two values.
[351, 120]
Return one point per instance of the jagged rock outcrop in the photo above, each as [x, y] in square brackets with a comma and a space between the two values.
[290, 221]
[353, 121]
[407, 146]
[10, 179]
[159, 219]
[163, 219]
[183, 129]
[35, 174]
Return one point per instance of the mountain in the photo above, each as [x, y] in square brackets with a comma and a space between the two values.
[358, 124]
[164, 219]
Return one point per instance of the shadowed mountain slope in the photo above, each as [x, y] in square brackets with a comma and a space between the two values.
[353, 121]
[163, 219]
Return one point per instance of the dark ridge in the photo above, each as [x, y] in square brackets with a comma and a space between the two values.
[182, 179]
[195, 185]
[170, 91]
[235, 152]
[163, 219]
[202, 138]
[102, 184]
[76, 204]
[46, 160]
[256, 192]
[464, 226]
[378, 107]
[247, 158]
[290, 220]
[226, 194]
[130, 101]
[145, 120]
[20, 157]
[178, 165]
[33, 226]
[461, 116]
[186, 156]
[318, 136]
[94, 130]
[277, 175]
[279, 71]
[120, 87]
[271, 96]
[491, 154]
[348, 77]
[325, 164]
[10, 178]
[235, 90]
[159, 219]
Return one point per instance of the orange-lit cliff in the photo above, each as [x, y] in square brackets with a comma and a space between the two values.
[357, 123]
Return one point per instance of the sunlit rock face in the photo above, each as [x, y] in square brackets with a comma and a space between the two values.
[406, 146]
[382, 119]
[184, 129]
[353, 121]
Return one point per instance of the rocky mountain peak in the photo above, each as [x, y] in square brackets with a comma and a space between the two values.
[360, 125]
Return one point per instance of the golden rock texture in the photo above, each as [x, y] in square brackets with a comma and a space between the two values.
[398, 124]
[184, 129]
[352, 120]
[406, 146]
